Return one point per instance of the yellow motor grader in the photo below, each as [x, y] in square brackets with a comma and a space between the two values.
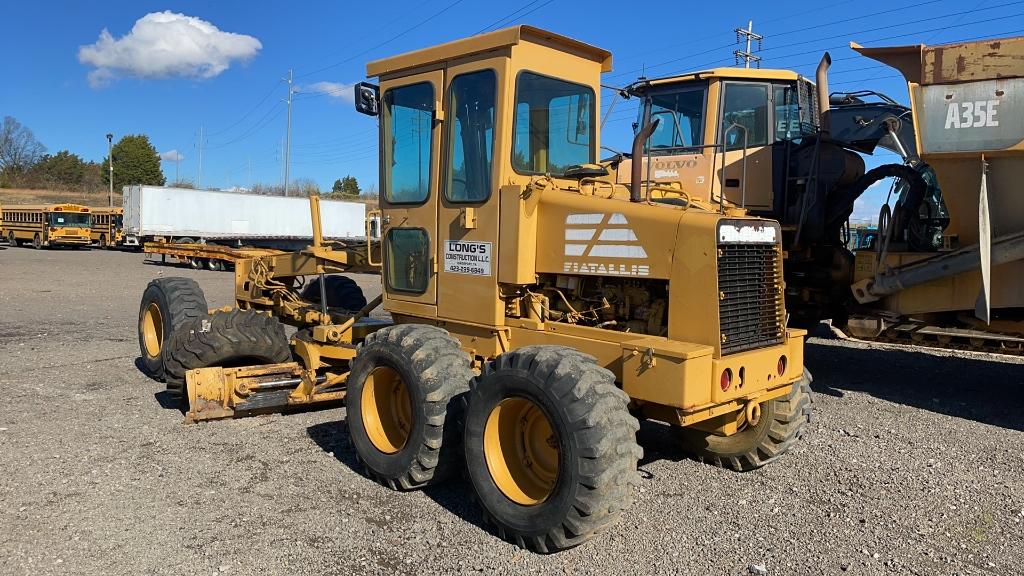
[537, 309]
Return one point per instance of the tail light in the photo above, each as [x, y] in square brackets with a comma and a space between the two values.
[782, 365]
[726, 379]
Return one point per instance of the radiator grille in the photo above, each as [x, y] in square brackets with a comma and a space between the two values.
[749, 285]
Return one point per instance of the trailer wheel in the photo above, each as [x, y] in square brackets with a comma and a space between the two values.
[224, 339]
[195, 263]
[166, 304]
[403, 402]
[779, 427]
[37, 242]
[550, 447]
[342, 292]
[213, 264]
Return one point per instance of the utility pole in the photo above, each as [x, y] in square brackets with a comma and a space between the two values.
[110, 164]
[199, 175]
[746, 55]
[288, 137]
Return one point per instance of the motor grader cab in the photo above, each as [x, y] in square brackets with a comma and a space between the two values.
[775, 144]
[537, 308]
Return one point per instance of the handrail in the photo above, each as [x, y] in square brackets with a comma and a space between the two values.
[721, 175]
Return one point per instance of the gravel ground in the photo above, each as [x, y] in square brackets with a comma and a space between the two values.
[912, 465]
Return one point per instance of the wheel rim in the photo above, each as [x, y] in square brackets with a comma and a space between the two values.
[152, 329]
[522, 451]
[386, 410]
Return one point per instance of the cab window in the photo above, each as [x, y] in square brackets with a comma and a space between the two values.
[787, 113]
[471, 136]
[408, 121]
[681, 115]
[746, 105]
[408, 258]
[554, 125]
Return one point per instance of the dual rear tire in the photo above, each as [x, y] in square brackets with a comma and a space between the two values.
[546, 438]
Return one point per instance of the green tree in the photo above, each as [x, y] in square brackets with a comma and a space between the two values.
[347, 187]
[63, 171]
[135, 162]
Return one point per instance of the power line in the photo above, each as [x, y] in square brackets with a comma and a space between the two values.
[511, 16]
[247, 114]
[385, 42]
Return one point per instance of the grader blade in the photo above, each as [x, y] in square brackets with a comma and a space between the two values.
[216, 393]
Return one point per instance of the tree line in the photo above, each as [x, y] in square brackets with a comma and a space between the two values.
[24, 163]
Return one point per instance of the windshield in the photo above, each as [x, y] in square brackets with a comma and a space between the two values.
[70, 219]
[681, 115]
[554, 125]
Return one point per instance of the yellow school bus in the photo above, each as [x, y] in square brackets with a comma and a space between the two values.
[107, 227]
[47, 224]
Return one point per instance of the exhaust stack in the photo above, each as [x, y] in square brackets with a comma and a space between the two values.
[638, 154]
[821, 78]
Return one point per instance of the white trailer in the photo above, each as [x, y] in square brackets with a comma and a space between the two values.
[232, 219]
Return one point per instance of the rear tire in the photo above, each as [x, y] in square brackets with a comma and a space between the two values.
[780, 426]
[550, 447]
[37, 242]
[12, 240]
[224, 339]
[403, 404]
[342, 292]
[103, 242]
[167, 303]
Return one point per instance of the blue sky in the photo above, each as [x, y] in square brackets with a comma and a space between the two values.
[72, 97]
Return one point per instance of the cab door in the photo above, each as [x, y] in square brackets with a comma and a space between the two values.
[468, 212]
[410, 132]
[746, 104]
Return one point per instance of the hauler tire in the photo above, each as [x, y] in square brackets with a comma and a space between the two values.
[403, 405]
[224, 339]
[167, 303]
[550, 447]
[780, 425]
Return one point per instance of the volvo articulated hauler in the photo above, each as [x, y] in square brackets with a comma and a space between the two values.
[947, 265]
[537, 308]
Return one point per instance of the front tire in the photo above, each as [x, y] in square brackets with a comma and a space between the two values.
[780, 426]
[550, 447]
[166, 304]
[402, 405]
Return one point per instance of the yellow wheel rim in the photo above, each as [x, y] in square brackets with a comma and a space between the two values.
[386, 410]
[521, 450]
[152, 329]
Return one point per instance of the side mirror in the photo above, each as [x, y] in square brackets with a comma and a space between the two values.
[367, 97]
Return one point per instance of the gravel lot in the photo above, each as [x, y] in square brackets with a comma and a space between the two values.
[912, 465]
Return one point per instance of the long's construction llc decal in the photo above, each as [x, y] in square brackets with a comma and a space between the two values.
[599, 235]
[461, 257]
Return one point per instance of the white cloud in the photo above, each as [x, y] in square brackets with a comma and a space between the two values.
[163, 44]
[337, 90]
[171, 156]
